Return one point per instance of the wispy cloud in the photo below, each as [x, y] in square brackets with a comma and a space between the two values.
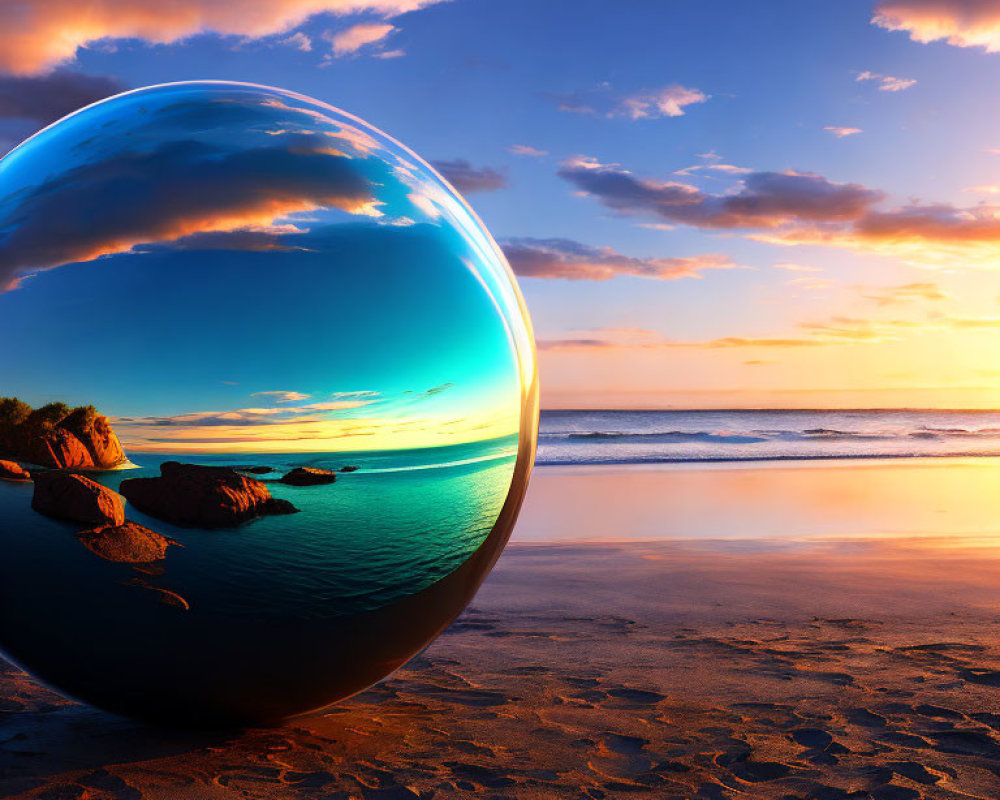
[601, 341]
[283, 396]
[973, 322]
[893, 295]
[713, 165]
[299, 41]
[243, 417]
[963, 23]
[527, 150]
[811, 284]
[797, 267]
[565, 258]
[841, 132]
[434, 390]
[666, 101]
[835, 331]
[887, 83]
[841, 329]
[469, 179]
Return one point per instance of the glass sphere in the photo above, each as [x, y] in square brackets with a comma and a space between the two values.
[275, 388]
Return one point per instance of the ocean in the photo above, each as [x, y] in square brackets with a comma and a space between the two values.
[402, 521]
[650, 437]
[335, 590]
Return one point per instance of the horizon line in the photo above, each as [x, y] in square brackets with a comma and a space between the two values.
[777, 408]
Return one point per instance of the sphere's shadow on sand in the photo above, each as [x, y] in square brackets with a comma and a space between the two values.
[55, 736]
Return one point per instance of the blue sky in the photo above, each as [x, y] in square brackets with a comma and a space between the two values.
[834, 159]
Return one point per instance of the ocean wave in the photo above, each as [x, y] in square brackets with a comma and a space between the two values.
[666, 437]
[750, 437]
[716, 437]
[621, 437]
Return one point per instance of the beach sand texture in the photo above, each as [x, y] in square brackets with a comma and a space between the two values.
[813, 667]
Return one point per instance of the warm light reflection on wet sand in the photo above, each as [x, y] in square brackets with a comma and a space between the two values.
[947, 501]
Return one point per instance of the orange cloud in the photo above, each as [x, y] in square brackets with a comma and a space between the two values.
[350, 41]
[34, 37]
[929, 235]
[887, 83]
[963, 23]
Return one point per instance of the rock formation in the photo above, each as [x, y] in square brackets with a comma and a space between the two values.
[58, 437]
[76, 499]
[128, 543]
[9, 471]
[94, 431]
[202, 497]
[57, 449]
[308, 476]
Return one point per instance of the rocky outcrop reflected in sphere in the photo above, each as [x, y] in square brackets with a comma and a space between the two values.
[269, 404]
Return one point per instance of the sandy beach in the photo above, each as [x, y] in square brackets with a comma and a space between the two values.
[794, 644]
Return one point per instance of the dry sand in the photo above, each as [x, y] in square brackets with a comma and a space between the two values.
[645, 669]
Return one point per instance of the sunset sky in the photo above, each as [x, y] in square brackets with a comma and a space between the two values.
[710, 203]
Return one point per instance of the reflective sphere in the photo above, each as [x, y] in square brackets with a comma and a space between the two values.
[276, 392]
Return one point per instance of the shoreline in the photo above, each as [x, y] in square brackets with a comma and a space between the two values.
[778, 461]
[789, 462]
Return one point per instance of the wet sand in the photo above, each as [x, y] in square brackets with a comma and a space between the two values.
[816, 666]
